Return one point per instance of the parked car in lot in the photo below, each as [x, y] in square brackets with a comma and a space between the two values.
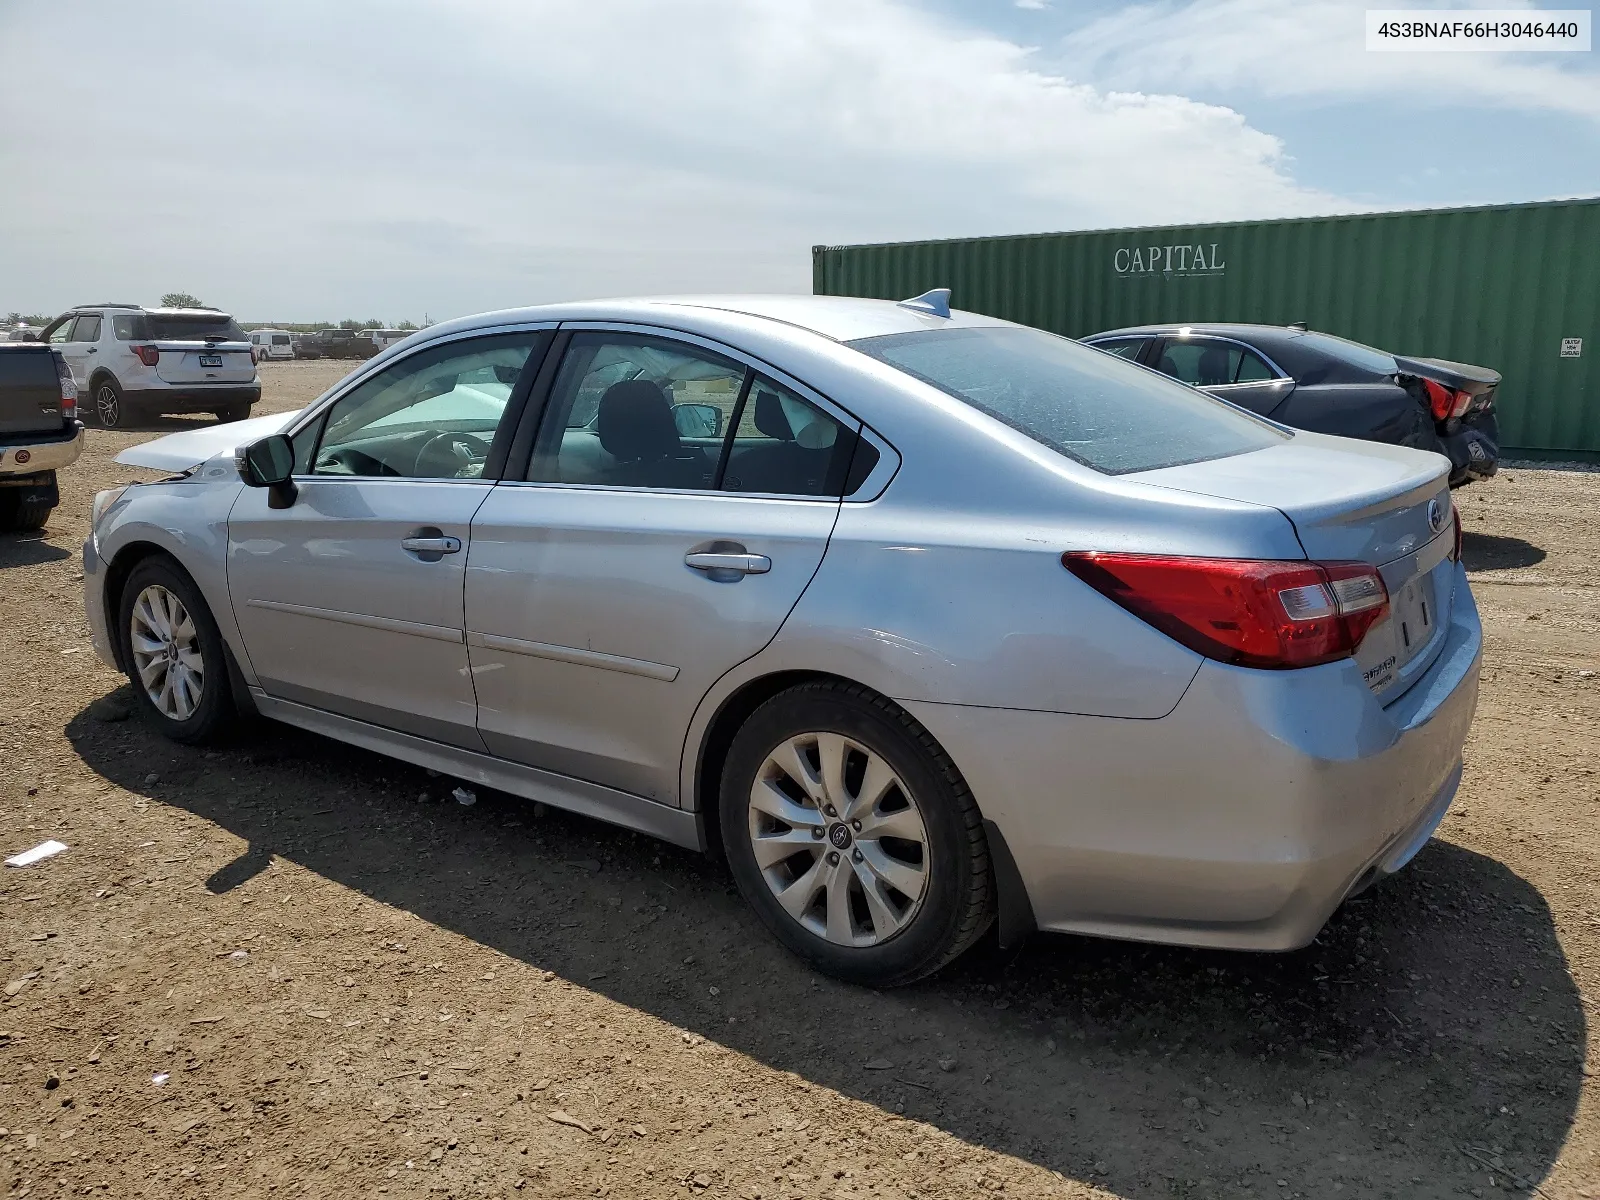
[272, 344]
[307, 345]
[22, 333]
[382, 339]
[895, 605]
[1328, 384]
[131, 362]
[39, 432]
[345, 343]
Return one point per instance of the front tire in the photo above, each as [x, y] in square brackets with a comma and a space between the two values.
[853, 836]
[174, 653]
[110, 410]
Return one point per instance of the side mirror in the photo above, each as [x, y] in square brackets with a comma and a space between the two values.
[269, 463]
[697, 420]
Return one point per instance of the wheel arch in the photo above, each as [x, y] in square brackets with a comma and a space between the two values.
[122, 565]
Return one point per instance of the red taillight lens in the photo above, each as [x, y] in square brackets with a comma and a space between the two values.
[1455, 519]
[148, 355]
[1251, 613]
[69, 390]
[1441, 400]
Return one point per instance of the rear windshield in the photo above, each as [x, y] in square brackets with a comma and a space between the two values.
[1092, 407]
[280, 339]
[192, 328]
[1354, 354]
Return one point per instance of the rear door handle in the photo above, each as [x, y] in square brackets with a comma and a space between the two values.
[431, 545]
[744, 564]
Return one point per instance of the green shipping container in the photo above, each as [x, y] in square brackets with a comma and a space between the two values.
[1515, 287]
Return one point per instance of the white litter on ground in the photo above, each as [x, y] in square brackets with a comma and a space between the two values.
[42, 851]
[465, 797]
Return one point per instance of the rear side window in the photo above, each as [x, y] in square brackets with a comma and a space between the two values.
[784, 445]
[1112, 416]
[1354, 354]
[192, 328]
[280, 339]
[1206, 363]
[87, 329]
[125, 326]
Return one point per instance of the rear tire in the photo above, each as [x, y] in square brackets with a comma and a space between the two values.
[19, 517]
[233, 412]
[884, 899]
[174, 653]
[110, 409]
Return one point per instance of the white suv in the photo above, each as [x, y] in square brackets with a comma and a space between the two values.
[131, 362]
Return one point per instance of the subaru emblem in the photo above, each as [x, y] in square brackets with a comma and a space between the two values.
[1435, 515]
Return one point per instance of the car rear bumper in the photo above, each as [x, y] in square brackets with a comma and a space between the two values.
[1244, 817]
[30, 454]
[192, 399]
[1473, 449]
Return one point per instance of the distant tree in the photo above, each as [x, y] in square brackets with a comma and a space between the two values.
[13, 318]
[372, 323]
[349, 323]
[181, 300]
[406, 325]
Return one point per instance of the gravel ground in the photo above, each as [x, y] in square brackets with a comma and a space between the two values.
[287, 967]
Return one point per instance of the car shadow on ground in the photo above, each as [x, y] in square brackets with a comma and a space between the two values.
[1429, 1041]
[1493, 552]
[29, 549]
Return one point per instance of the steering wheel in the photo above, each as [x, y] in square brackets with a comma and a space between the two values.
[448, 455]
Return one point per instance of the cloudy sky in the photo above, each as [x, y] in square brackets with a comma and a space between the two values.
[297, 160]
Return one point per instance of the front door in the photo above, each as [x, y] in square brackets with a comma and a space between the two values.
[653, 546]
[74, 338]
[350, 598]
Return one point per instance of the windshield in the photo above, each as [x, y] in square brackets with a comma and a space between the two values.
[1092, 407]
[192, 328]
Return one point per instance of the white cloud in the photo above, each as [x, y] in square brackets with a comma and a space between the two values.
[463, 156]
[1314, 49]
[1035, 5]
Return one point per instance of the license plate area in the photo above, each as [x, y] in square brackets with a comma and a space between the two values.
[1414, 617]
[211, 360]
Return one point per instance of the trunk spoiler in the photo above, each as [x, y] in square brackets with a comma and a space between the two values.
[1475, 381]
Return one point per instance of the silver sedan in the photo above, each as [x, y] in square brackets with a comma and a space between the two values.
[927, 621]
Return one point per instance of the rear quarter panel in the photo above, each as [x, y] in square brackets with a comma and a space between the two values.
[1376, 412]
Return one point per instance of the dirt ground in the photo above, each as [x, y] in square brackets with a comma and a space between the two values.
[287, 967]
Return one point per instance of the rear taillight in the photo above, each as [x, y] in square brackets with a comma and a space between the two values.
[148, 355]
[1455, 520]
[1251, 613]
[1440, 399]
[1463, 401]
[255, 356]
[69, 390]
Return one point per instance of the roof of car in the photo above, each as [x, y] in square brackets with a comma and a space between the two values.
[1238, 329]
[839, 318]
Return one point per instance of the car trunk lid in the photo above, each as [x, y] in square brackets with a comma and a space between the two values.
[1478, 382]
[30, 391]
[1356, 501]
[204, 361]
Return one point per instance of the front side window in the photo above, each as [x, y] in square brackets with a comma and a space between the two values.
[62, 333]
[628, 410]
[432, 415]
[1112, 416]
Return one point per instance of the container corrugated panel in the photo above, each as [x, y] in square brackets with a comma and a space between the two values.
[1506, 286]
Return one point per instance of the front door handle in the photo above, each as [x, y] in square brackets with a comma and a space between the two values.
[431, 545]
[744, 564]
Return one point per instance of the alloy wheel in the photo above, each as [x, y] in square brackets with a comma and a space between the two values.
[839, 839]
[107, 406]
[166, 652]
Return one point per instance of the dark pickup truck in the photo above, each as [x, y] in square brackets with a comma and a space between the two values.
[39, 432]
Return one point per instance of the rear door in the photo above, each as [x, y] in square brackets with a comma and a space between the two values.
[645, 553]
[350, 599]
[1228, 369]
